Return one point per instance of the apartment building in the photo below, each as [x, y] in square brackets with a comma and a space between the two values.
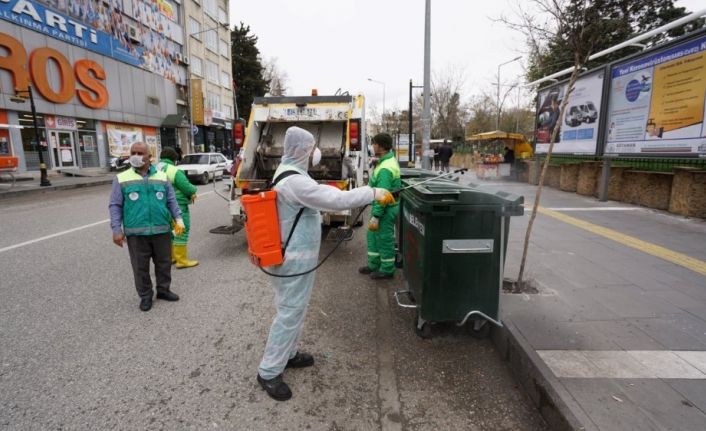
[211, 84]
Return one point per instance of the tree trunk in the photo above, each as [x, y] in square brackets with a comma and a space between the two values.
[540, 186]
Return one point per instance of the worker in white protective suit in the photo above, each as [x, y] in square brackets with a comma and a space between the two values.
[292, 294]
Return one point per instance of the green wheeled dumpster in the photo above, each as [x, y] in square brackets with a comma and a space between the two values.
[454, 240]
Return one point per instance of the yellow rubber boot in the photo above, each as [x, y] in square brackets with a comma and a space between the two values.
[174, 259]
[182, 257]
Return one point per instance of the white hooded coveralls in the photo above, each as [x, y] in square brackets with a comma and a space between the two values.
[292, 294]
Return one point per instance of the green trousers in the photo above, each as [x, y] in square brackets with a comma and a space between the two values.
[184, 238]
[381, 243]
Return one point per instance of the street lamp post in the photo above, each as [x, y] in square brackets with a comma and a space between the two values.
[188, 81]
[497, 118]
[43, 180]
[383, 100]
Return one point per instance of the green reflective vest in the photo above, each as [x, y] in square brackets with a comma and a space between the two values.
[389, 162]
[145, 209]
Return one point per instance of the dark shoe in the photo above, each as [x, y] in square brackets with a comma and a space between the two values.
[145, 304]
[377, 275]
[300, 360]
[365, 270]
[167, 295]
[275, 388]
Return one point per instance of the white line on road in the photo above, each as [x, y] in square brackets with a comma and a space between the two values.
[54, 235]
[64, 232]
[626, 364]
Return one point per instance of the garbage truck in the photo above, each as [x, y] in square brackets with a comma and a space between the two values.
[338, 125]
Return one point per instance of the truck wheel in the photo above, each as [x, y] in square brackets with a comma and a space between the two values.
[481, 332]
[205, 178]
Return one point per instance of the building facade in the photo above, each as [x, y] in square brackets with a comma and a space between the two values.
[103, 74]
[211, 83]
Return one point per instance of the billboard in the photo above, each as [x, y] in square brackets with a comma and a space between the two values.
[578, 129]
[656, 102]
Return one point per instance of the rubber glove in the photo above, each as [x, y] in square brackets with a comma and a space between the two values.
[178, 227]
[193, 198]
[374, 224]
[383, 196]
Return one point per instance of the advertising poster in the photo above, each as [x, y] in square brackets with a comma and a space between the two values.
[657, 102]
[578, 130]
[121, 137]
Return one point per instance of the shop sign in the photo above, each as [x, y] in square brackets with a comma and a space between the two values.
[207, 117]
[197, 101]
[57, 122]
[87, 72]
[150, 51]
[218, 114]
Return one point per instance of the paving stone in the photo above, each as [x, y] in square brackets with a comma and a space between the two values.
[694, 391]
[630, 301]
[596, 399]
[675, 332]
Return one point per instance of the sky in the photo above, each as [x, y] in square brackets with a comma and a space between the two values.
[335, 44]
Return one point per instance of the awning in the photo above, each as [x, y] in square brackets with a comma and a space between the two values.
[175, 120]
[497, 134]
[217, 122]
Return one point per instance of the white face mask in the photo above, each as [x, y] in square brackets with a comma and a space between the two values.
[316, 157]
[136, 161]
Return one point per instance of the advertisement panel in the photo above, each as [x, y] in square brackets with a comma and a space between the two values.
[97, 27]
[656, 102]
[578, 130]
[197, 108]
[121, 137]
[402, 150]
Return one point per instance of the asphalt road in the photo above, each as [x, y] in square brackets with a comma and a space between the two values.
[76, 353]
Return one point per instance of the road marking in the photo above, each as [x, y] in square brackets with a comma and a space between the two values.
[54, 235]
[64, 232]
[626, 364]
[664, 253]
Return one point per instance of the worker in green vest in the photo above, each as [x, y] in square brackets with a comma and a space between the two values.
[142, 207]
[381, 227]
[185, 194]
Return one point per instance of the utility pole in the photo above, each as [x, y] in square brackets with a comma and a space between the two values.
[426, 111]
[412, 153]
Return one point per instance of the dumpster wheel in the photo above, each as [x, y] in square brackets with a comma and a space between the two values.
[479, 328]
[422, 328]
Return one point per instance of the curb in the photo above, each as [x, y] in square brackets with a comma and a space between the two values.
[554, 403]
[17, 193]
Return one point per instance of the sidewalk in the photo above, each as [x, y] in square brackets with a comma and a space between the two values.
[616, 337]
[28, 184]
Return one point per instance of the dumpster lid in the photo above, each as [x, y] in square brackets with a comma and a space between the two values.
[438, 191]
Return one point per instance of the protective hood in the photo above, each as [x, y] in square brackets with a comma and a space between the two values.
[298, 145]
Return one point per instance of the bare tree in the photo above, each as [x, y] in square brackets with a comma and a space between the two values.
[449, 111]
[276, 77]
[573, 21]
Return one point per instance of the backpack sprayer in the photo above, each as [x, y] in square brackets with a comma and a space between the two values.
[262, 225]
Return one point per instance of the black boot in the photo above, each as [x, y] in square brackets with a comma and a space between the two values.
[275, 388]
[167, 295]
[145, 304]
[300, 360]
[365, 270]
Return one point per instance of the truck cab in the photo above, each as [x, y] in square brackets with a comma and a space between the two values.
[338, 125]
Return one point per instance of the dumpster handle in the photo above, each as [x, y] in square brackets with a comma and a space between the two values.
[483, 315]
[397, 298]
[486, 248]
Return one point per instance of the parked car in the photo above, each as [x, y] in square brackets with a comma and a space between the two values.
[203, 167]
[229, 167]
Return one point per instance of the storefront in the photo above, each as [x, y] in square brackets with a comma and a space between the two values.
[215, 135]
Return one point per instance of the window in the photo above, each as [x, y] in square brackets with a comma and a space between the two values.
[225, 79]
[225, 51]
[194, 28]
[212, 40]
[222, 16]
[213, 101]
[211, 8]
[196, 66]
[228, 111]
[212, 71]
